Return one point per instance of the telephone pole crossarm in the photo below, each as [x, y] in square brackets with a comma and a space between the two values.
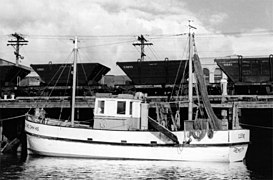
[19, 41]
[142, 43]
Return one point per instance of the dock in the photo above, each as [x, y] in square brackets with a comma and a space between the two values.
[251, 111]
[218, 101]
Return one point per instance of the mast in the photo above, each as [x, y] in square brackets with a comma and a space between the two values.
[190, 74]
[74, 81]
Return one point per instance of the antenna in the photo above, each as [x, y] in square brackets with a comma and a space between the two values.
[142, 42]
[19, 41]
[190, 26]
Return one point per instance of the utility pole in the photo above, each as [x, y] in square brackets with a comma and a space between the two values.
[16, 43]
[142, 42]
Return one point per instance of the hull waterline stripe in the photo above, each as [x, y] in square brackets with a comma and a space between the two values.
[136, 144]
[42, 153]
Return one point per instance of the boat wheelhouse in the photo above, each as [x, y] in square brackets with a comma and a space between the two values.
[120, 113]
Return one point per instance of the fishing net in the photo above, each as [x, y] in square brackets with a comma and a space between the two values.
[213, 121]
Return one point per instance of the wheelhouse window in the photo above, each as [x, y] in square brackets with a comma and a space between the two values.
[121, 107]
[131, 108]
[100, 109]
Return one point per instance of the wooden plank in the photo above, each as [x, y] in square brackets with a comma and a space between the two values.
[47, 104]
[259, 105]
[163, 130]
[244, 101]
[90, 104]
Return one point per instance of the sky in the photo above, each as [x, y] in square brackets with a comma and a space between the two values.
[106, 29]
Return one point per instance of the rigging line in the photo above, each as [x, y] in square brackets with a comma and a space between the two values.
[262, 127]
[177, 74]
[62, 104]
[63, 68]
[98, 74]
[153, 52]
[107, 44]
[57, 80]
[35, 104]
[181, 85]
[14, 117]
[86, 78]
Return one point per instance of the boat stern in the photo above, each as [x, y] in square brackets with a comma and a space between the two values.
[239, 140]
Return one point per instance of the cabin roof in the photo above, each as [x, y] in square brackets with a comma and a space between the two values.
[107, 96]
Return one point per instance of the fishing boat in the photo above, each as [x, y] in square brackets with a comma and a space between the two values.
[122, 128]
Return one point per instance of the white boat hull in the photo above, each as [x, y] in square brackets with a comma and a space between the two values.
[49, 140]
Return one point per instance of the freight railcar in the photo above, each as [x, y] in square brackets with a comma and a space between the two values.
[248, 75]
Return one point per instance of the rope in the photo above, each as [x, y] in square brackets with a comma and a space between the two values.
[14, 117]
[67, 81]
[177, 74]
[198, 134]
[262, 127]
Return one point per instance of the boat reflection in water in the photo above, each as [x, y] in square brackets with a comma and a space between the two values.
[72, 168]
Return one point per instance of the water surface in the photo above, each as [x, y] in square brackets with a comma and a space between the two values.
[37, 167]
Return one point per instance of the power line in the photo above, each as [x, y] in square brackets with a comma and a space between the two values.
[151, 36]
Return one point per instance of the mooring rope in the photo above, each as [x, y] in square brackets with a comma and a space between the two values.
[262, 127]
[14, 117]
